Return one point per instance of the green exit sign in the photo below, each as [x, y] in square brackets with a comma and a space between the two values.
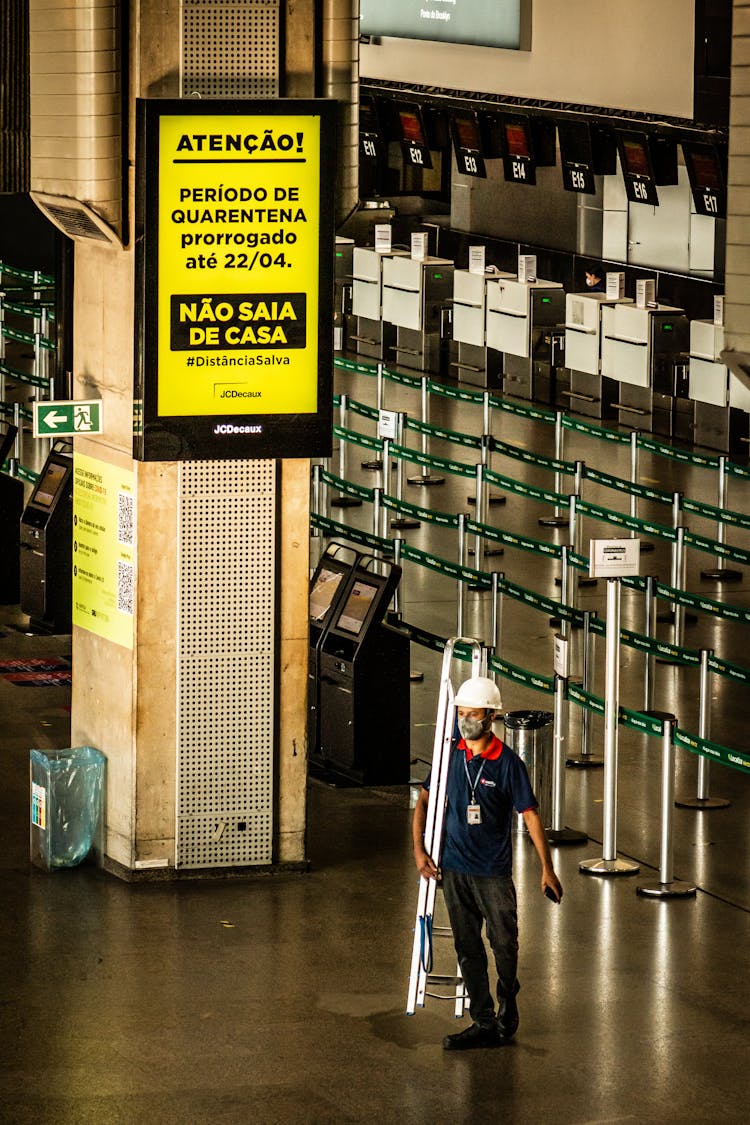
[66, 419]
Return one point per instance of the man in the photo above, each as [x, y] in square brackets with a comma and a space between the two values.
[486, 782]
[595, 280]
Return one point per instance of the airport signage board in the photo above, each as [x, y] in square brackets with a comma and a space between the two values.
[234, 266]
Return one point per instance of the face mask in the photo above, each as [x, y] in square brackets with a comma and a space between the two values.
[472, 729]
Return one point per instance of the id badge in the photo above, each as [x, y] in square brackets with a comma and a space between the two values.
[473, 814]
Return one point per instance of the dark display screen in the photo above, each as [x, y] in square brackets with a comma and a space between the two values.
[517, 139]
[412, 131]
[635, 157]
[323, 592]
[357, 605]
[484, 23]
[49, 485]
[706, 171]
[467, 132]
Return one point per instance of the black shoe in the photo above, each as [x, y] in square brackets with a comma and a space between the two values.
[507, 1023]
[471, 1037]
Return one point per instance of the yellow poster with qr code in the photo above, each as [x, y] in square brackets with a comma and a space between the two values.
[104, 509]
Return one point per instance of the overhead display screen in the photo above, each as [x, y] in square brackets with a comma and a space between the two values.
[481, 23]
[234, 258]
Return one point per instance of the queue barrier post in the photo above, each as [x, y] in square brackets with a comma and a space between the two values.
[649, 628]
[461, 558]
[316, 490]
[404, 522]
[667, 886]
[587, 760]
[375, 465]
[703, 800]
[721, 572]
[344, 501]
[558, 833]
[609, 864]
[558, 519]
[425, 477]
[496, 627]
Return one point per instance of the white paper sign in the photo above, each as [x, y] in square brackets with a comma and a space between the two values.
[527, 267]
[645, 293]
[419, 245]
[719, 311]
[383, 238]
[561, 657]
[476, 259]
[614, 558]
[615, 283]
[388, 425]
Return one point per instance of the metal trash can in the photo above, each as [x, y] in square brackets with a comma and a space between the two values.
[66, 805]
[530, 734]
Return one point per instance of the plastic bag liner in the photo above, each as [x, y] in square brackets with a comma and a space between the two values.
[66, 804]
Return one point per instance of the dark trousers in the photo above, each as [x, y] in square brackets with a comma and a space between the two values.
[472, 900]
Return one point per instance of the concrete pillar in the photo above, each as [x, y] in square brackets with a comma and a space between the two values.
[125, 699]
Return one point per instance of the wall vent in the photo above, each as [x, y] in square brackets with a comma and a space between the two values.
[231, 49]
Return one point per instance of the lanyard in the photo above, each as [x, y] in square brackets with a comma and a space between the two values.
[476, 779]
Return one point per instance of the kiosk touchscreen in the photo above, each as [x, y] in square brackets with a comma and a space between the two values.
[11, 508]
[47, 546]
[328, 586]
[364, 683]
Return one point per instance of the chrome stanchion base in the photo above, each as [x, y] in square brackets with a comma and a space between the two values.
[675, 889]
[722, 574]
[372, 466]
[493, 498]
[583, 580]
[553, 521]
[585, 761]
[608, 867]
[667, 618]
[346, 502]
[405, 522]
[425, 480]
[562, 836]
[703, 803]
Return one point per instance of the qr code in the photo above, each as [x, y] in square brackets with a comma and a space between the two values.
[125, 520]
[125, 572]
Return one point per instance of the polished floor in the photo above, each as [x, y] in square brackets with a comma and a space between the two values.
[281, 999]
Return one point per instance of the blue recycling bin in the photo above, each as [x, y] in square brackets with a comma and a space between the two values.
[66, 804]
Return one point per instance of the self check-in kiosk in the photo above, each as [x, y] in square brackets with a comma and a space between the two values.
[640, 350]
[522, 322]
[328, 586]
[416, 294]
[47, 546]
[11, 509]
[363, 734]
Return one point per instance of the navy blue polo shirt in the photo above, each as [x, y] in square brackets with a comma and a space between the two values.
[501, 784]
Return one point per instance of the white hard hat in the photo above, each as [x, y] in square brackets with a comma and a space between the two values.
[479, 691]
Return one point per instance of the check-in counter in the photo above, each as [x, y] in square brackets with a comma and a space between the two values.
[589, 393]
[416, 297]
[473, 362]
[640, 352]
[371, 337]
[522, 323]
[719, 401]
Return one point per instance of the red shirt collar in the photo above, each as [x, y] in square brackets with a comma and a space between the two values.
[493, 751]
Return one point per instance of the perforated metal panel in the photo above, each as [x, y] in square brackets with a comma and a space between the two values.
[226, 705]
[230, 49]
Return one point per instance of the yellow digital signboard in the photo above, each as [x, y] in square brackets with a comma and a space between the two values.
[235, 254]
